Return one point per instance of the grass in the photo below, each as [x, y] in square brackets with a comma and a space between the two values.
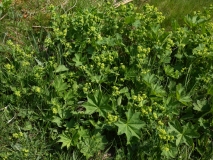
[20, 23]
[176, 10]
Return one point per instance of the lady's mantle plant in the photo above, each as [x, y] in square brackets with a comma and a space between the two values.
[120, 78]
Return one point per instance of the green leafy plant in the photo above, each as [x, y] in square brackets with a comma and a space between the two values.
[131, 127]
[114, 78]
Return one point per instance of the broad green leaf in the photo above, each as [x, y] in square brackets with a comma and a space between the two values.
[175, 126]
[130, 74]
[131, 127]
[71, 123]
[77, 60]
[199, 105]
[184, 134]
[157, 90]
[98, 78]
[155, 31]
[179, 139]
[190, 131]
[210, 90]
[97, 103]
[166, 58]
[61, 68]
[65, 140]
[57, 120]
[75, 86]
[59, 84]
[149, 79]
[71, 140]
[68, 95]
[171, 86]
[91, 145]
[181, 96]
[124, 90]
[83, 133]
[170, 72]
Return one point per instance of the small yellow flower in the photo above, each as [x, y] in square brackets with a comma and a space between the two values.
[134, 97]
[155, 115]
[85, 89]
[25, 63]
[15, 135]
[8, 66]
[160, 123]
[143, 110]
[25, 150]
[55, 111]
[123, 66]
[20, 134]
[36, 89]
[18, 93]
[166, 149]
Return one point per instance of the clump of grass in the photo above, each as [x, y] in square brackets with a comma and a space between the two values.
[176, 10]
[24, 132]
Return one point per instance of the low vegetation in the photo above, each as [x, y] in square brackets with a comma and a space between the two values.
[99, 82]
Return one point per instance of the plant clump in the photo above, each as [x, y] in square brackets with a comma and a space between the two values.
[113, 77]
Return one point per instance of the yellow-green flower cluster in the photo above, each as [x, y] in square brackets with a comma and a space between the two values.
[160, 123]
[122, 66]
[201, 50]
[151, 11]
[10, 43]
[9, 67]
[58, 32]
[17, 93]
[139, 97]
[38, 72]
[139, 16]
[17, 135]
[165, 148]
[25, 63]
[83, 67]
[60, 26]
[25, 151]
[115, 91]
[51, 63]
[169, 45]
[48, 42]
[206, 78]
[210, 27]
[145, 71]
[86, 87]
[142, 50]
[164, 135]
[55, 106]
[36, 89]
[158, 106]
[146, 110]
[106, 56]
[142, 54]
[184, 69]
[20, 56]
[155, 115]
[111, 118]
[54, 110]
